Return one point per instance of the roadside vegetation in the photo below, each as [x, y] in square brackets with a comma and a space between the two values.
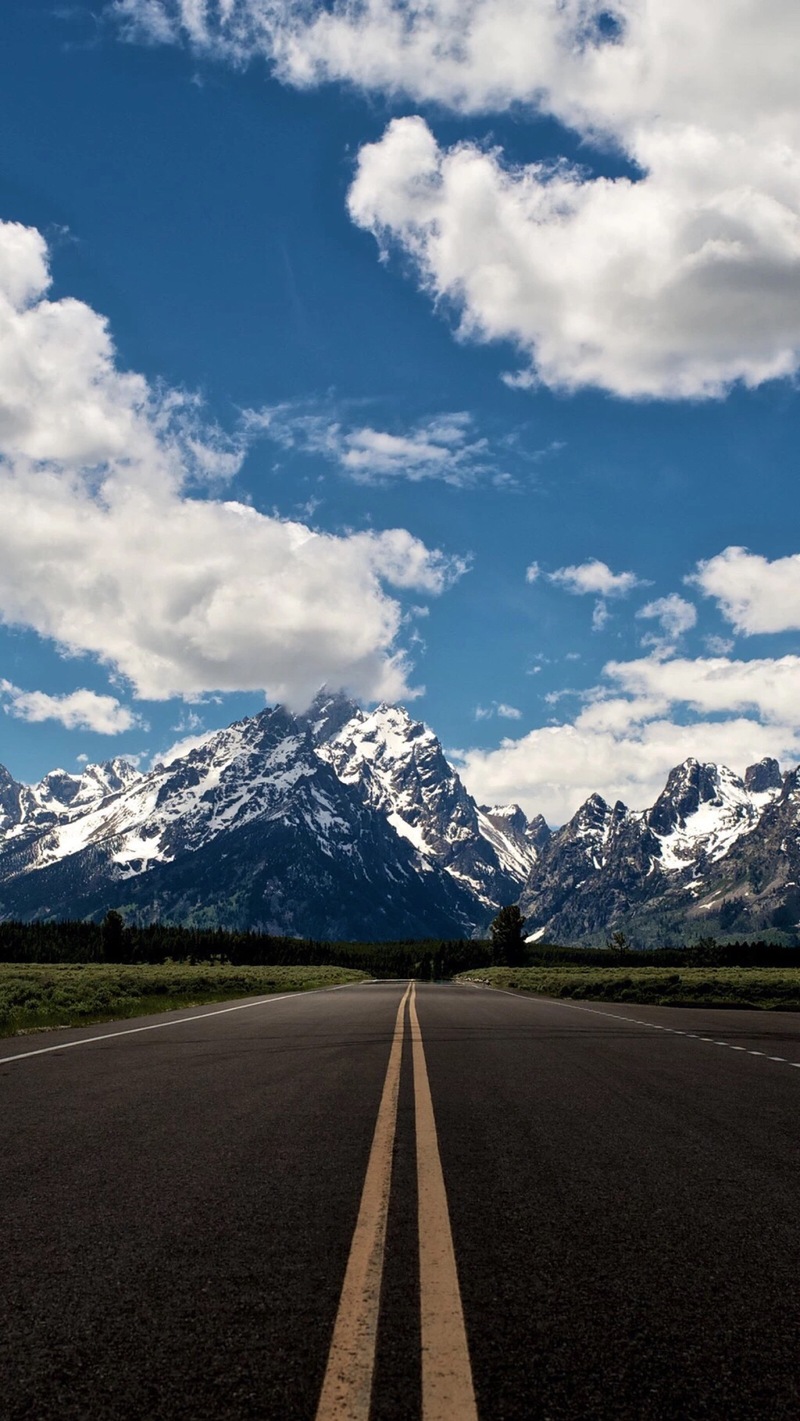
[768, 988]
[37, 996]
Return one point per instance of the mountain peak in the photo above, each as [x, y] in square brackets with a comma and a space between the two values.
[689, 785]
[510, 814]
[764, 776]
[328, 713]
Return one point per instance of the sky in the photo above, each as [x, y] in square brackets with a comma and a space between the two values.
[443, 353]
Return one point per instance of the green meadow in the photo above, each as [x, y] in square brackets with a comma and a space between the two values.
[771, 989]
[37, 996]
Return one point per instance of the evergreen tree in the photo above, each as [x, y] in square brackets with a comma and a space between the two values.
[113, 930]
[619, 943]
[508, 941]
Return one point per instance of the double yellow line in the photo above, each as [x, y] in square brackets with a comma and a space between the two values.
[447, 1390]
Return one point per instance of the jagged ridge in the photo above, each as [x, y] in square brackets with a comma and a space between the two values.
[686, 865]
[336, 824]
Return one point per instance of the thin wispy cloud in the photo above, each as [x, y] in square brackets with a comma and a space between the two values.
[500, 709]
[443, 447]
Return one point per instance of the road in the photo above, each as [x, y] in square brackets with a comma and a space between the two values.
[373, 1203]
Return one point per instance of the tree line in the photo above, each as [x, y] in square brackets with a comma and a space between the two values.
[115, 941]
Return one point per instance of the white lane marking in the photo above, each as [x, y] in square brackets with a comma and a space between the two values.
[177, 1021]
[633, 1021]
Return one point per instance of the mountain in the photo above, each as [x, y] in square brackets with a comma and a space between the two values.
[715, 853]
[336, 824]
[399, 768]
[346, 823]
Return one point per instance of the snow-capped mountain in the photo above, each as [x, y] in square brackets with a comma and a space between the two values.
[399, 768]
[335, 824]
[27, 808]
[684, 864]
[345, 823]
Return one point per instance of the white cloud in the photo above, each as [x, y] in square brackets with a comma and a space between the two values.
[668, 60]
[600, 616]
[189, 721]
[649, 715]
[754, 594]
[78, 710]
[712, 685]
[592, 577]
[498, 708]
[674, 615]
[183, 747]
[438, 448]
[552, 770]
[676, 284]
[103, 550]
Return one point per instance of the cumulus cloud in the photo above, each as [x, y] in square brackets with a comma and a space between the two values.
[439, 448]
[594, 577]
[104, 549]
[676, 282]
[766, 686]
[79, 710]
[647, 716]
[609, 63]
[753, 594]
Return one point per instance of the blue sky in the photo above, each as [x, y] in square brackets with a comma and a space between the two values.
[310, 284]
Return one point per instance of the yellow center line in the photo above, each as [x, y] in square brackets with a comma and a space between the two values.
[347, 1387]
[447, 1390]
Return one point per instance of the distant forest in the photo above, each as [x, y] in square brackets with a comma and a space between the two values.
[112, 941]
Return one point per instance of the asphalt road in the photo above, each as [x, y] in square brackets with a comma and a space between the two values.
[184, 1213]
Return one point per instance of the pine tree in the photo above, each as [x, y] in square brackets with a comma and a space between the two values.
[113, 929]
[508, 941]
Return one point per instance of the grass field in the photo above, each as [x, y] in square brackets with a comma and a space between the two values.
[771, 989]
[36, 997]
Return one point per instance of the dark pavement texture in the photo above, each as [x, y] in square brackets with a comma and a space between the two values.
[177, 1206]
